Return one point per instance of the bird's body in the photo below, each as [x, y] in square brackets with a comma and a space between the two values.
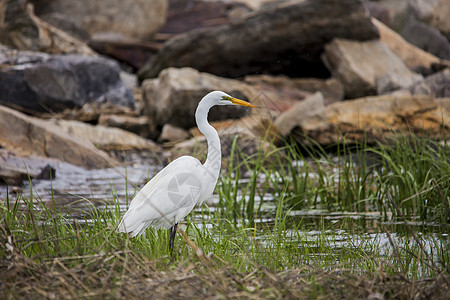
[172, 193]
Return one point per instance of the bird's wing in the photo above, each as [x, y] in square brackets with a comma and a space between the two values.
[167, 198]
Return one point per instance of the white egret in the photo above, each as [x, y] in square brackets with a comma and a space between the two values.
[172, 193]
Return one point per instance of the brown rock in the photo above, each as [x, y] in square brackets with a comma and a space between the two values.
[20, 28]
[378, 118]
[35, 136]
[282, 88]
[173, 97]
[105, 138]
[367, 68]
[136, 124]
[138, 19]
[414, 58]
[285, 38]
[306, 114]
[170, 133]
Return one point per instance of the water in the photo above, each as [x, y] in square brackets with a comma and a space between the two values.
[76, 191]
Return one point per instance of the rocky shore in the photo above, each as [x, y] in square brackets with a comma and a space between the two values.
[79, 81]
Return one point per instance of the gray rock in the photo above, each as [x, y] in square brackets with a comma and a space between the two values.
[367, 68]
[15, 169]
[426, 38]
[286, 38]
[38, 82]
[436, 85]
[434, 13]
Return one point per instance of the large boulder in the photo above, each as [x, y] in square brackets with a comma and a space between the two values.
[20, 28]
[138, 19]
[39, 137]
[173, 97]
[284, 38]
[38, 82]
[370, 119]
[367, 68]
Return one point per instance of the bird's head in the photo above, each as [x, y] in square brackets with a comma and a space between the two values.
[221, 98]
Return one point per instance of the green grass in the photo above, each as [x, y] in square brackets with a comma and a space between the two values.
[406, 182]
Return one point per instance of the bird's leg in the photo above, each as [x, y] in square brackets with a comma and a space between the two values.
[173, 232]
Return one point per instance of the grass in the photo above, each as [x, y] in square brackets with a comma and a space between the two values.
[234, 252]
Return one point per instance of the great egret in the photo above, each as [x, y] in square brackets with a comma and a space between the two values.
[172, 193]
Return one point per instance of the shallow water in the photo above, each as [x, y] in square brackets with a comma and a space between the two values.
[77, 191]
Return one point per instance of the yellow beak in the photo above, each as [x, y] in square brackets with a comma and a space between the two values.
[242, 103]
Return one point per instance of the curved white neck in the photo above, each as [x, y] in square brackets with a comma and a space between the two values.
[214, 157]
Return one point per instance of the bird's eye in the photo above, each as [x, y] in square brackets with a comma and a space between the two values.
[226, 98]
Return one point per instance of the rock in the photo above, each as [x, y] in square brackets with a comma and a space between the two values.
[138, 19]
[135, 124]
[367, 68]
[426, 38]
[254, 125]
[43, 138]
[306, 114]
[47, 173]
[436, 85]
[377, 11]
[247, 141]
[187, 15]
[92, 113]
[132, 53]
[173, 97]
[36, 82]
[130, 80]
[20, 28]
[170, 133]
[256, 4]
[435, 13]
[105, 138]
[67, 24]
[15, 169]
[287, 38]
[282, 88]
[414, 58]
[377, 118]
[424, 23]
